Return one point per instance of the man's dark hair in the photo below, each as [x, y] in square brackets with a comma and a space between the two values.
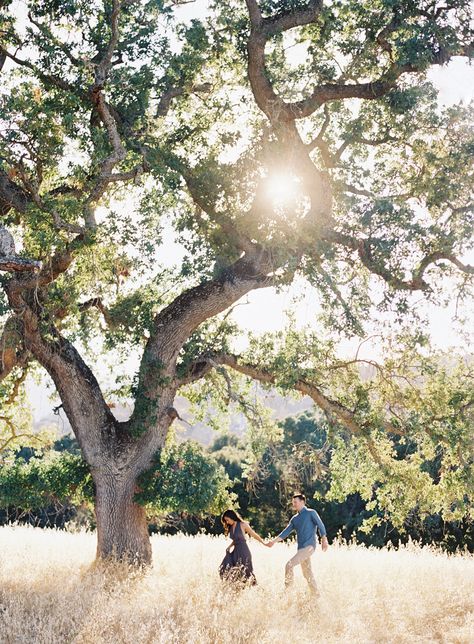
[300, 496]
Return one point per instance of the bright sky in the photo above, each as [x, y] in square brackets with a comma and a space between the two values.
[265, 310]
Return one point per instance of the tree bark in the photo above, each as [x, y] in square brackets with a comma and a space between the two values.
[122, 528]
[107, 446]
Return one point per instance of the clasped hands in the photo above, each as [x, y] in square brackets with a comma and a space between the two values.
[324, 543]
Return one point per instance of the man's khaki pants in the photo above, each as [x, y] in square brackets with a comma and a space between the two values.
[303, 558]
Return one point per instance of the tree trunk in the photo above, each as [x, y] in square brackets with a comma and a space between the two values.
[122, 528]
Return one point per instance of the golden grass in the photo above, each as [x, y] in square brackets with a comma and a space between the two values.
[49, 593]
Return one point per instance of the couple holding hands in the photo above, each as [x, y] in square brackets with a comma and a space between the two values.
[237, 563]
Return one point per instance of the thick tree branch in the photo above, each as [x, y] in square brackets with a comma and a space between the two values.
[104, 111]
[51, 269]
[118, 151]
[292, 18]
[344, 415]
[279, 111]
[18, 264]
[12, 195]
[103, 67]
[265, 96]
[363, 247]
[369, 90]
[176, 322]
[94, 424]
[449, 257]
[335, 92]
[9, 260]
[254, 13]
[196, 370]
[12, 350]
[285, 19]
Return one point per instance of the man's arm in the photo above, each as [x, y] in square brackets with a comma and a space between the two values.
[321, 528]
[283, 534]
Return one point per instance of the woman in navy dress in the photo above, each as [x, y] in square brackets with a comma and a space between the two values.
[237, 563]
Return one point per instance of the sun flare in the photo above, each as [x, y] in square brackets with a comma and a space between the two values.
[283, 188]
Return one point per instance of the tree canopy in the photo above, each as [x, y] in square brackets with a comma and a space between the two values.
[278, 140]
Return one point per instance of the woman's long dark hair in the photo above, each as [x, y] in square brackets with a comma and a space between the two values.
[230, 514]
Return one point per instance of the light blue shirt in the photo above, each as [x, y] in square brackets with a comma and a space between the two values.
[306, 522]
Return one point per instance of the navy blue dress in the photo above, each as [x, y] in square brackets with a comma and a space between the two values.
[237, 565]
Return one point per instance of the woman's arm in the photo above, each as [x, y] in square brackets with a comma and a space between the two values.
[252, 532]
[231, 544]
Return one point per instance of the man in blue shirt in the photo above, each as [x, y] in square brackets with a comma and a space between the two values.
[305, 522]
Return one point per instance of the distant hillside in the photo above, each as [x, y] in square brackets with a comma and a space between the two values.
[282, 407]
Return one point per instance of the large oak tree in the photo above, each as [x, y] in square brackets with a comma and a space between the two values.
[115, 115]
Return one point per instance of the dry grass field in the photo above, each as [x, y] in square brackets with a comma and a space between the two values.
[50, 593]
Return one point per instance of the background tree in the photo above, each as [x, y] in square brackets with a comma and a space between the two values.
[114, 116]
[54, 486]
[409, 496]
